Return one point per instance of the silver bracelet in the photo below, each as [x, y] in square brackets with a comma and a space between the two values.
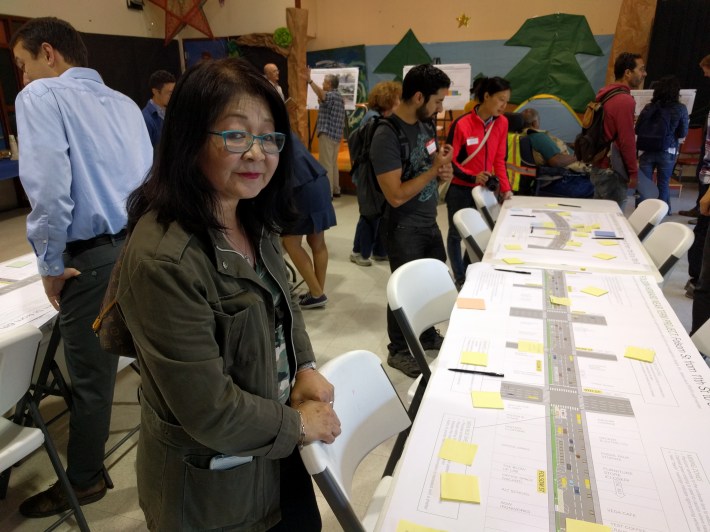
[302, 438]
[306, 365]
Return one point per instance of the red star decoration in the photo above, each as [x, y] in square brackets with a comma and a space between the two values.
[181, 13]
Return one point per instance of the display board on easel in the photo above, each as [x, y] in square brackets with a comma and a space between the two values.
[347, 87]
[460, 75]
[643, 98]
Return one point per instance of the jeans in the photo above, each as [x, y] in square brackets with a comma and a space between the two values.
[369, 239]
[696, 253]
[568, 186]
[701, 296]
[406, 244]
[663, 163]
[92, 371]
[458, 197]
[609, 185]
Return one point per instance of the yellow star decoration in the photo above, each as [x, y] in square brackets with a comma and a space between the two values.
[462, 19]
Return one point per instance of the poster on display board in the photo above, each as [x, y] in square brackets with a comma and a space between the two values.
[460, 75]
[643, 97]
[347, 87]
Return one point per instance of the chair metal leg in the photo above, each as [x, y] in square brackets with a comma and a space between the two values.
[58, 467]
[398, 447]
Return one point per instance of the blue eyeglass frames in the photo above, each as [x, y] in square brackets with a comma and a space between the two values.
[237, 141]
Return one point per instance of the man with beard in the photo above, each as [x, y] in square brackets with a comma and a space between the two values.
[612, 174]
[408, 178]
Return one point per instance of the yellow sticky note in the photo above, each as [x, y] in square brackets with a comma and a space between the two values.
[578, 226]
[487, 400]
[530, 347]
[564, 213]
[594, 291]
[474, 358]
[458, 451]
[640, 353]
[555, 300]
[549, 225]
[595, 226]
[574, 243]
[551, 205]
[513, 247]
[408, 526]
[574, 525]
[472, 303]
[513, 260]
[604, 256]
[608, 243]
[580, 234]
[552, 232]
[461, 488]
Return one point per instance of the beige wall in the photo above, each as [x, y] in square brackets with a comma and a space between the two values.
[336, 23]
[112, 17]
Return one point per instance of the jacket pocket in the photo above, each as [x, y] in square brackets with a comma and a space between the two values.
[221, 498]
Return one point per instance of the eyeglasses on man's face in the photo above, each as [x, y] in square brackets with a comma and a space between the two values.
[237, 141]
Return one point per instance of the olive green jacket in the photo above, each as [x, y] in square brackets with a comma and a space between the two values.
[203, 325]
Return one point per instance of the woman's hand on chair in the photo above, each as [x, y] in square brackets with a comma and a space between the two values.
[320, 421]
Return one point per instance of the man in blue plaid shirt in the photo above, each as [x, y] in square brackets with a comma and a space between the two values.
[331, 121]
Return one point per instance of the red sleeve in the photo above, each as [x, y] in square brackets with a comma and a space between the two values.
[458, 142]
[619, 122]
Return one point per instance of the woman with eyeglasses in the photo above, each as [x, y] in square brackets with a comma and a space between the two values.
[229, 383]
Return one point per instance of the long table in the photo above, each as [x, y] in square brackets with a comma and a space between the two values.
[584, 235]
[586, 433]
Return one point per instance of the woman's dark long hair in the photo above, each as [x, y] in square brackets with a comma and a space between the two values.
[490, 86]
[666, 91]
[176, 189]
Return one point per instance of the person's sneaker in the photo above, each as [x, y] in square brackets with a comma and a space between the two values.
[360, 260]
[53, 501]
[694, 221]
[690, 289]
[404, 362]
[433, 343]
[693, 213]
[380, 258]
[308, 301]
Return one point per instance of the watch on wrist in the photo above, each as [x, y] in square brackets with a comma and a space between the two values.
[306, 365]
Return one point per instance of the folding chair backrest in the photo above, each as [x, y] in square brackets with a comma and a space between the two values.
[370, 413]
[647, 215]
[18, 351]
[666, 245]
[474, 231]
[487, 204]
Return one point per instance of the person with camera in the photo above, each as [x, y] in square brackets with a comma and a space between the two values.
[479, 140]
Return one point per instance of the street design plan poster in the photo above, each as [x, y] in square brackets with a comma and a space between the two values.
[588, 431]
[348, 79]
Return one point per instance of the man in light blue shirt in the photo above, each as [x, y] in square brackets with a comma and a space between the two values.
[84, 147]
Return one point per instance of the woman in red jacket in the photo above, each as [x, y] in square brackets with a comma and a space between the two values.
[484, 132]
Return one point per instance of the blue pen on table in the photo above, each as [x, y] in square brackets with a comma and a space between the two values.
[476, 372]
[567, 205]
[511, 271]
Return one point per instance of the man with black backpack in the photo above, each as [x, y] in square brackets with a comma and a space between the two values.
[612, 173]
[409, 184]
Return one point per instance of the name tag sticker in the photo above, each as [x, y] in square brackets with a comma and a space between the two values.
[471, 141]
[431, 146]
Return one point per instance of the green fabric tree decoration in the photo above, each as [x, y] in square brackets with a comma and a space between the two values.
[551, 66]
[408, 51]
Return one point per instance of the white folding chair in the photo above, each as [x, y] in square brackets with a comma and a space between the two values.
[370, 413]
[421, 294]
[474, 232]
[666, 245]
[701, 339]
[18, 350]
[647, 215]
[487, 204]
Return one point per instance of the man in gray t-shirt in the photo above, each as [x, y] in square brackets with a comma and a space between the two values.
[410, 188]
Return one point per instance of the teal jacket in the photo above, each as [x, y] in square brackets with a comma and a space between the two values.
[203, 325]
